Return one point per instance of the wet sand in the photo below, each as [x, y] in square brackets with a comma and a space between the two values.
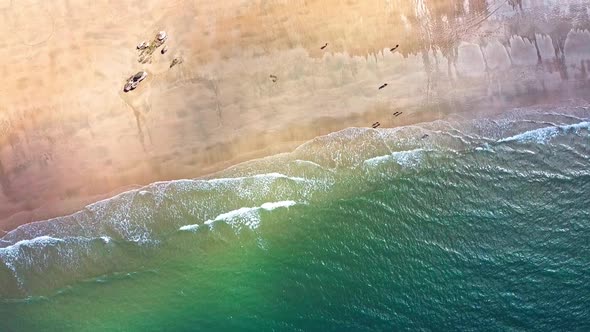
[70, 136]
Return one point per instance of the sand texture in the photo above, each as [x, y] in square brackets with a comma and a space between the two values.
[69, 135]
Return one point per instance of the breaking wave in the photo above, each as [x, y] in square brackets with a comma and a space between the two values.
[409, 158]
[246, 216]
[543, 135]
[107, 235]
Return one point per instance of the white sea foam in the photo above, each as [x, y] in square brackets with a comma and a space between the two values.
[309, 162]
[377, 160]
[247, 187]
[265, 176]
[274, 205]
[543, 135]
[190, 228]
[410, 158]
[45, 252]
[131, 214]
[11, 254]
[245, 216]
[38, 241]
[484, 147]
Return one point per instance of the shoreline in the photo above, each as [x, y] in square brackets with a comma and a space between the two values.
[208, 171]
[68, 207]
[70, 137]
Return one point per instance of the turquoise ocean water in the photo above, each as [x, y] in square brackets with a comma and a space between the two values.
[450, 225]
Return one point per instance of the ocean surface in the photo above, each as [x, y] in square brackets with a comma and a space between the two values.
[450, 225]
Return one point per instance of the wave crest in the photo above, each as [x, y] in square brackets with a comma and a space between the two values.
[242, 217]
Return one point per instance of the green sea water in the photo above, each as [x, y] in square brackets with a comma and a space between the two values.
[450, 225]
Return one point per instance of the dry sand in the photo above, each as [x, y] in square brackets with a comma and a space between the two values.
[69, 135]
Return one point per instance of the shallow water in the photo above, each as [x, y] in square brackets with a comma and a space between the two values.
[481, 225]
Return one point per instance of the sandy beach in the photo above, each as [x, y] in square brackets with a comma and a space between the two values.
[70, 136]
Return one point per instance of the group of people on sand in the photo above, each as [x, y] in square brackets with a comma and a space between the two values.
[375, 124]
[161, 38]
[274, 78]
[146, 49]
